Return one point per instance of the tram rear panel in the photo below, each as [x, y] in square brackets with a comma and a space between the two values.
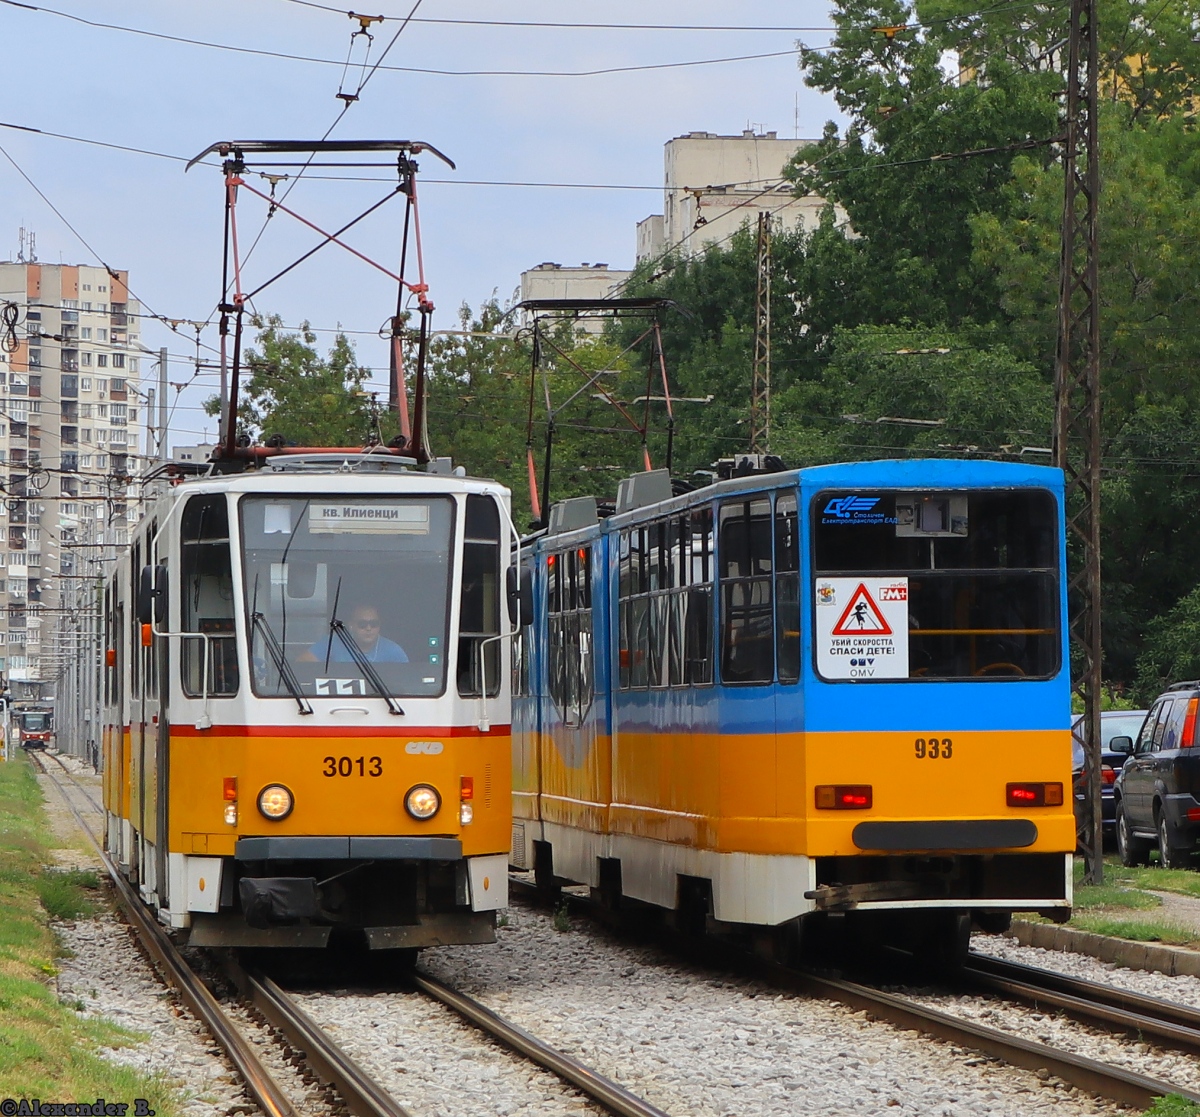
[308, 672]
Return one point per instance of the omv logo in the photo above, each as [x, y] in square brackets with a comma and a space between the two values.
[845, 507]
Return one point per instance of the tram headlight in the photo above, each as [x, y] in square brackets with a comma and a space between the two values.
[275, 802]
[422, 802]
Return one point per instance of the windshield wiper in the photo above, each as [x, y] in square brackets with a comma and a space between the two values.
[364, 664]
[281, 663]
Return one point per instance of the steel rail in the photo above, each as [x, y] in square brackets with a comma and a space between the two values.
[364, 1097]
[195, 994]
[614, 1098]
[1091, 1075]
[1175, 1024]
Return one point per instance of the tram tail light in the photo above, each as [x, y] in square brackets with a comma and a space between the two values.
[1188, 738]
[1034, 794]
[229, 794]
[466, 787]
[843, 797]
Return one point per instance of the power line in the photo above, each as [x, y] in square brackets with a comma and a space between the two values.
[257, 51]
[911, 25]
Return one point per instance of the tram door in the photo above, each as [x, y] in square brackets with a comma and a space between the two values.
[746, 564]
[156, 689]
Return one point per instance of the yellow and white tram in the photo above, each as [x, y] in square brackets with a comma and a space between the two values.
[306, 704]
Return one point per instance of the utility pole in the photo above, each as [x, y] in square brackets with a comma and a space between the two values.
[1077, 398]
[760, 391]
[162, 405]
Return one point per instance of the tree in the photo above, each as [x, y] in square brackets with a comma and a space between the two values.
[903, 391]
[304, 399]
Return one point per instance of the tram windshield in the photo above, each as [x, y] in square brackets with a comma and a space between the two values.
[36, 723]
[347, 595]
[936, 585]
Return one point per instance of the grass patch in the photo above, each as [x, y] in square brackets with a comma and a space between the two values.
[1108, 897]
[63, 894]
[1184, 881]
[46, 1050]
[1172, 1106]
[1138, 930]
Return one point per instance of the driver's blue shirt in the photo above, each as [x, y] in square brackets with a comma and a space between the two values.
[385, 651]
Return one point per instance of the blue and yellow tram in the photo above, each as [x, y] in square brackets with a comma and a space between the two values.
[839, 689]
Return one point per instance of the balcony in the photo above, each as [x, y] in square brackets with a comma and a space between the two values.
[69, 364]
[18, 515]
[70, 436]
[70, 316]
[70, 411]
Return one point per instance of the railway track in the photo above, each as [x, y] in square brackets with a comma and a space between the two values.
[356, 1092]
[1120, 1010]
[1113, 1010]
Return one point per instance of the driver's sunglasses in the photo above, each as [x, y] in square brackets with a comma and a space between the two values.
[365, 623]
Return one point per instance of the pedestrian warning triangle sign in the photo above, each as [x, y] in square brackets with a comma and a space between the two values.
[862, 615]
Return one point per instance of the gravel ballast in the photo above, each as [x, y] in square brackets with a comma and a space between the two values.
[685, 1040]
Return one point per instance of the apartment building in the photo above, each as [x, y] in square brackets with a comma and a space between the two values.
[558, 281]
[715, 184]
[70, 353]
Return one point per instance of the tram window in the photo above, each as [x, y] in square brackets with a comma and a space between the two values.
[379, 566]
[747, 629]
[571, 668]
[981, 574]
[479, 610]
[206, 598]
[135, 636]
[787, 587]
[151, 654]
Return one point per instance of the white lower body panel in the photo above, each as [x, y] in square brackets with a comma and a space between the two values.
[746, 887]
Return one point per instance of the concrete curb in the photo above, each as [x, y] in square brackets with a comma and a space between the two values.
[1170, 960]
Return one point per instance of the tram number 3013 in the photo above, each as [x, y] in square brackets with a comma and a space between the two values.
[933, 748]
[353, 766]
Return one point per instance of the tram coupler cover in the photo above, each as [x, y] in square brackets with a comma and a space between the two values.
[278, 901]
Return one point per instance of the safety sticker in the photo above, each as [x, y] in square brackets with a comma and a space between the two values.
[862, 628]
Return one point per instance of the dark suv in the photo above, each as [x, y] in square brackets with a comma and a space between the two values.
[1157, 792]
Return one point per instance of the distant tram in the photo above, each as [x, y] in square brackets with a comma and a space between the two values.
[35, 726]
[795, 699]
[306, 704]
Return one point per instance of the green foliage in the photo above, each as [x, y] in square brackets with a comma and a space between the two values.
[305, 399]
[63, 893]
[562, 917]
[480, 401]
[1173, 1105]
[1172, 647]
[902, 391]
[46, 1050]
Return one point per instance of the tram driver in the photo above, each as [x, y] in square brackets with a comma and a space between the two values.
[366, 628]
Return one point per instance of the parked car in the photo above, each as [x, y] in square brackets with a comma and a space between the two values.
[1118, 730]
[1157, 792]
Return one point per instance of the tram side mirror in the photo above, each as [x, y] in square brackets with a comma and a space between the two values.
[152, 595]
[1121, 744]
[520, 596]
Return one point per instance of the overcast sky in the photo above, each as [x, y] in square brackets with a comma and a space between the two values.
[145, 214]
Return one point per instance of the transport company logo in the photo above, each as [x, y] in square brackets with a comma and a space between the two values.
[854, 509]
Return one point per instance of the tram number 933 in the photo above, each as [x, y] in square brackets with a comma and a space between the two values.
[353, 766]
[933, 748]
